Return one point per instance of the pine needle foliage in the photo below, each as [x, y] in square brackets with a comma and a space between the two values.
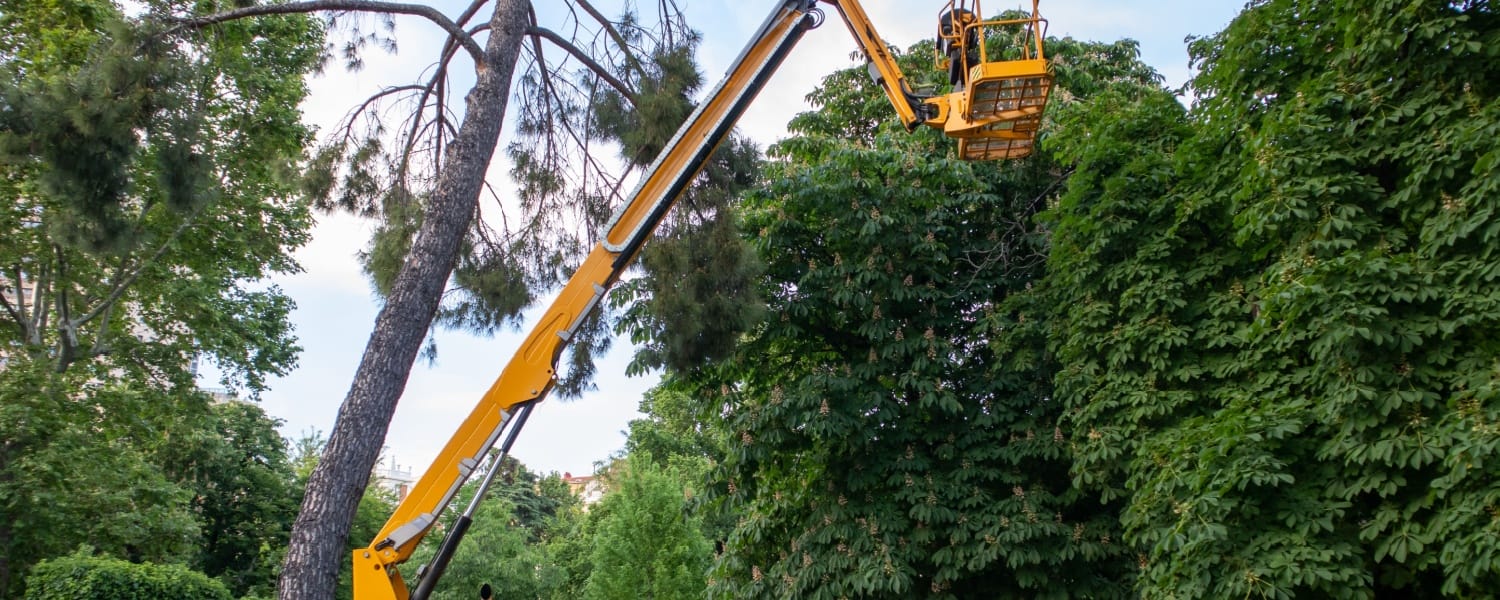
[569, 117]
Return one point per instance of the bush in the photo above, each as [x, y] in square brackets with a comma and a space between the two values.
[97, 578]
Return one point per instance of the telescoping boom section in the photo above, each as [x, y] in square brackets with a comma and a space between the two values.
[531, 372]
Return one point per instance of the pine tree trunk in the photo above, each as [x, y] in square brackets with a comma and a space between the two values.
[316, 549]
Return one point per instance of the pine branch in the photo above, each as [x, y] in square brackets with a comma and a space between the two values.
[550, 94]
[473, 9]
[478, 214]
[370, 101]
[630, 60]
[455, 31]
[435, 87]
[614, 188]
[432, 88]
[584, 58]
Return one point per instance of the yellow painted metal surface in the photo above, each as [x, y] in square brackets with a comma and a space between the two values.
[878, 53]
[996, 113]
[371, 581]
[1008, 90]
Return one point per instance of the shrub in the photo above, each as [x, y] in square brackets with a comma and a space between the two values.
[83, 576]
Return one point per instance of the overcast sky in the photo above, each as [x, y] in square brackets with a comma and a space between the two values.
[335, 308]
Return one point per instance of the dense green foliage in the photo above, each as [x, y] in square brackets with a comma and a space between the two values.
[876, 446]
[1243, 350]
[532, 538]
[569, 550]
[82, 576]
[647, 546]
[244, 493]
[496, 552]
[182, 480]
[72, 475]
[1281, 308]
[147, 176]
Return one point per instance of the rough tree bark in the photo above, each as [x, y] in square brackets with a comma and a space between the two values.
[316, 548]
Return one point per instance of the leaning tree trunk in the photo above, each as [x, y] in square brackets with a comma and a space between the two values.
[316, 548]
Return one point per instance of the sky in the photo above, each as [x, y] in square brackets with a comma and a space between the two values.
[336, 308]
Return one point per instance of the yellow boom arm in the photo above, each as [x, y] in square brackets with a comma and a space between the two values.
[530, 375]
[531, 372]
[912, 109]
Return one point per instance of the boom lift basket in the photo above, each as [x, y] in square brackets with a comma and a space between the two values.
[1002, 100]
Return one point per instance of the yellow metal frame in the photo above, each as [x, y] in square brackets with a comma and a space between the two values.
[995, 116]
[531, 372]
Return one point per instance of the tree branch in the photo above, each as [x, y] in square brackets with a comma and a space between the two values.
[67, 335]
[630, 60]
[473, 9]
[39, 305]
[435, 87]
[122, 284]
[11, 310]
[372, 6]
[587, 61]
[438, 76]
[100, 348]
[350, 119]
[387, 91]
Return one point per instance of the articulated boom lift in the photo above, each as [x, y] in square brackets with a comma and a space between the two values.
[993, 111]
